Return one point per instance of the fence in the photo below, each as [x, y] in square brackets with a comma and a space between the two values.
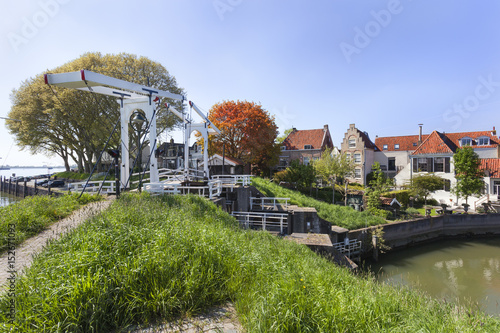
[264, 221]
[211, 190]
[272, 203]
[349, 247]
[22, 189]
[93, 186]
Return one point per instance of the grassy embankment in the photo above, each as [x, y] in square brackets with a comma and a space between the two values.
[338, 215]
[34, 214]
[148, 258]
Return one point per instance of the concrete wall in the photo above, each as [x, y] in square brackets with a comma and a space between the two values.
[408, 233]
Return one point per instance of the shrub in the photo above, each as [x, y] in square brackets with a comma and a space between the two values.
[403, 196]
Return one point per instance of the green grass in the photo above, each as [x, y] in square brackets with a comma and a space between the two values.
[346, 217]
[34, 214]
[164, 257]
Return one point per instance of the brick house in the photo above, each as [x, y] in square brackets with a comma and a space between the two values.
[358, 146]
[305, 146]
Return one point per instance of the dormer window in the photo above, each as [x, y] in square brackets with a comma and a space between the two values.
[396, 146]
[483, 141]
[466, 142]
[308, 147]
[283, 148]
[385, 147]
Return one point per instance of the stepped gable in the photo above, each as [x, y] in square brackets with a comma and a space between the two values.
[436, 143]
[492, 165]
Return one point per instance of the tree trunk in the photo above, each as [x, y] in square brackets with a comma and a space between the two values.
[345, 193]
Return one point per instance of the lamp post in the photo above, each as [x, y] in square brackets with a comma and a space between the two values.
[138, 120]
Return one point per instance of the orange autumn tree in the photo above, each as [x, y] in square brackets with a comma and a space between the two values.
[248, 132]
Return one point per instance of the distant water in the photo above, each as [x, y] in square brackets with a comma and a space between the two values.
[6, 199]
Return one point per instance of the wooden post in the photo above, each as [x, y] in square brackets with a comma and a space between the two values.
[375, 247]
[10, 182]
[25, 188]
[16, 191]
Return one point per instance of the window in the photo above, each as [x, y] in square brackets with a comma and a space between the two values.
[466, 142]
[348, 155]
[396, 146]
[283, 148]
[422, 164]
[357, 158]
[391, 164]
[496, 187]
[385, 147]
[447, 185]
[306, 160]
[414, 144]
[357, 173]
[283, 162]
[442, 164]
[352, 143]
[484, 141]
[308, 147]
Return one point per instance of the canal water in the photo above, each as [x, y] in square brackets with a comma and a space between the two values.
[6, 199]
[465, 271]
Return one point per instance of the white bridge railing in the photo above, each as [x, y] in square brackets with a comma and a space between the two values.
[211, 190]
[264, 221]
[243, 180]
[350, 248]
[266, 202]
[93, 186]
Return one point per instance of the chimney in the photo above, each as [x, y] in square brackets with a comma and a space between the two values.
[494, 132]
[325, 128]
[420, 134]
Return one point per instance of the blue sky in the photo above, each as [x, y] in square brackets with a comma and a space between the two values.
[384, 65]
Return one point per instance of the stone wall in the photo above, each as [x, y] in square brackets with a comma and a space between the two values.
[408, 233]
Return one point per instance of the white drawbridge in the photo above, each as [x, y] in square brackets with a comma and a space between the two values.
[132, 97]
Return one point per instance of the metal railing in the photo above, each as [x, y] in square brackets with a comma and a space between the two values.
[349, 247]
[243, 180]
[264, 221]
[93, 186]
[266, 202]
[211, 190]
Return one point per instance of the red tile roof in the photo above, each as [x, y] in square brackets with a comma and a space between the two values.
[406, 143]
[317, 138]
[436, 143]
[492, 165]
[452, 140]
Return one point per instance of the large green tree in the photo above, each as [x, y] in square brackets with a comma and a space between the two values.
[425, 184]
[378, 184]
[331, 167]
[468, 173]
[75, 124]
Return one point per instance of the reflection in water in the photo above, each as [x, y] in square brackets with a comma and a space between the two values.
[467, 271]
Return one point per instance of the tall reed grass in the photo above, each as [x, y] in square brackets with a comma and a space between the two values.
[34, 214]
[342, 216]
[160, 258]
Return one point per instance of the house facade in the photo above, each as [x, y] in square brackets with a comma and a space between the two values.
[358, 146]
[171, 155]
[305, 146]
[406, 157]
